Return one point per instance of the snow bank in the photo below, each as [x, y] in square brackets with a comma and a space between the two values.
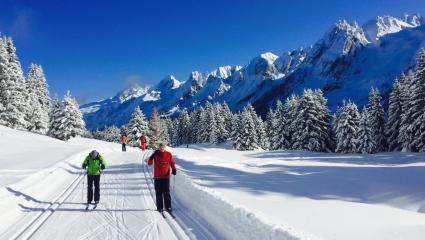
[228, 220]
[36, 169]
[327, 195]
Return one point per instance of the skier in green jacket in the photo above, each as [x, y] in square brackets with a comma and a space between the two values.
[94, 163]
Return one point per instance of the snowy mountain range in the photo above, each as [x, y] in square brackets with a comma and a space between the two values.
[345, 63]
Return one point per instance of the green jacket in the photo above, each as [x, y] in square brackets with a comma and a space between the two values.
[94, 166]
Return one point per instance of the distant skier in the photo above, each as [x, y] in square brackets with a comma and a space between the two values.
[94, 163]
[162, 160]
[143, 142]
[124, 142]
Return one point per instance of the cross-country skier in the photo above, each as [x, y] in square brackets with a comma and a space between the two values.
[124, 142]
[143, 142]
[94, 163]
[162, 159]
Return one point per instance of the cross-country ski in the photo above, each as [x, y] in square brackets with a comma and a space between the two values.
[206, 120]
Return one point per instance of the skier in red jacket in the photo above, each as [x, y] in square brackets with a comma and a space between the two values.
[162, 159]
[143, 142]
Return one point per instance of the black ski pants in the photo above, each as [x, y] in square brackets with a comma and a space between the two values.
[93, 180]
[162, 192]
[124, 147]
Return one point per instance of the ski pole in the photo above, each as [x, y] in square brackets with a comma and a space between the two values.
[82, 190]
[174, 192]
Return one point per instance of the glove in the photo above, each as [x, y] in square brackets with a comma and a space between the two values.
[174, 172]
[102, 167]
[84, 166]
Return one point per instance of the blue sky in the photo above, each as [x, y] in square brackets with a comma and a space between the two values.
[96, 48]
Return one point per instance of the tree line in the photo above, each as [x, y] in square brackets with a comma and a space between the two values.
[25, 103]
[305, 122]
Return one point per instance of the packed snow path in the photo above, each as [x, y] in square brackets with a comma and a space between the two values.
[126, 209]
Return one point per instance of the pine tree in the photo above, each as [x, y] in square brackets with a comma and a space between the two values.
[418, 105]
[228, 116]
[136, 127]
[109, 134]
[376, 120]
[291, 124]
[220, 119]
[279, 125]
[313, 127]
[366, 138]
[157, 131]
[261, 140]
[183, 128]
[247, 134]
[237, 131]
[346, 128]
[67, 121]
[38, 95]
[196, 122]
[270, 128]
[172, 131]
[394, 118]
[13, 92]
[55, 124]
[406, 134]
[209, 132]
[4, 80]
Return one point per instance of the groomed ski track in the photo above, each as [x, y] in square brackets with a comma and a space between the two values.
[126, 211]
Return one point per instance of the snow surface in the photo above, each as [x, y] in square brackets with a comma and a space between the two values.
[218, 193]
[310, 195]
[45, 199]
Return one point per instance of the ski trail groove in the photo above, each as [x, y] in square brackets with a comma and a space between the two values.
[183, 219]
[179, 232]
[31, 228]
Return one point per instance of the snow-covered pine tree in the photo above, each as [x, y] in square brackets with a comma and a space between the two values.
[157, 131]
[313, 126]
[346, 128]
[376, 119]
[262, 140]
[220, 119]
[13, 92]
[174, 133]
[366, 139]
[228, 116]
[236, 133]
[279, 125]
[406, 134]
[74, 122]
[269, 127]
[38, 95]
[247, 131]
[418, 104]
[183, 128]
[136, 126]
[392, 130]
[4, 80]
[68, 121]
[209, 132]
[109, 134]
[290, 114]
[55, 124]
[171, 128]
[196, 122]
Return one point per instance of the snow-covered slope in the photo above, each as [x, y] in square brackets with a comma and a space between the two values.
[43, 192]
[345, 63]
[317, 195]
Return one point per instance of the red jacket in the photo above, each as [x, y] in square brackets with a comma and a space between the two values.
[162, 162]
